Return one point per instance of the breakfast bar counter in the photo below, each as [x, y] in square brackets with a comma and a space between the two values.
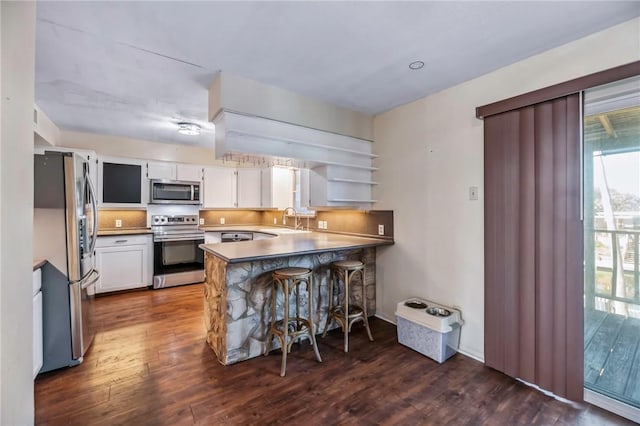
[238, 285]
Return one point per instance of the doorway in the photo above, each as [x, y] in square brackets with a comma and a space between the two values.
[611, 194]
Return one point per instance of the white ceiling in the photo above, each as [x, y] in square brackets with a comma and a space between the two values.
[135, 69]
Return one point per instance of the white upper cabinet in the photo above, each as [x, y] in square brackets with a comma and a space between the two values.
[189, 172]
[173, 171]
[161, 170]
[121, 182]
[277, 187]
[220, 187]
[249, 188]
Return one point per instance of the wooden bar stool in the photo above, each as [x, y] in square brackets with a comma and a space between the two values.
[289, 329]
[345, 270]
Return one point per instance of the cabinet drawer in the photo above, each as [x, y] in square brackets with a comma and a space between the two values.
[123, 240]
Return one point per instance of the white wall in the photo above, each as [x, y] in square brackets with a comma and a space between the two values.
[431, 151]
[16, 212]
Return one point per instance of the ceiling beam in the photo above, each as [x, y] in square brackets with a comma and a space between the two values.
[608, 127]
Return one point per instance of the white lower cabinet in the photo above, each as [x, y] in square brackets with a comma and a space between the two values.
[212, 237]
[125, 262]
[37, 322]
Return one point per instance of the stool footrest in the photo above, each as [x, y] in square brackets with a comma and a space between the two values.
[354, 311]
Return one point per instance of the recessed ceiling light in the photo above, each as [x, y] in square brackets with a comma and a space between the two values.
[189, 129]
[416, 65]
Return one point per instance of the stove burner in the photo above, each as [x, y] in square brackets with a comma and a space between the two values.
[415, 305]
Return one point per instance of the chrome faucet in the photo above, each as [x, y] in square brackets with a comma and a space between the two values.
[296, 219]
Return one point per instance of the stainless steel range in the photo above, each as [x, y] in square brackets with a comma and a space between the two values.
[177, 259]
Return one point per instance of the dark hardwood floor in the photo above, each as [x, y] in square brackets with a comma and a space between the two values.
[149, 364]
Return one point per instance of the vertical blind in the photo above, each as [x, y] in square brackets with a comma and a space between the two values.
[533, 245]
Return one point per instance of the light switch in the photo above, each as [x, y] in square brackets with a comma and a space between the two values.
[380, 229]
[222, 221]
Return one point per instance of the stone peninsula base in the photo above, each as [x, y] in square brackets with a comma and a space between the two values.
[236, 306]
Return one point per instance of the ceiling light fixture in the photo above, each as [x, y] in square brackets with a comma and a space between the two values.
[189, 129]
[416, 65]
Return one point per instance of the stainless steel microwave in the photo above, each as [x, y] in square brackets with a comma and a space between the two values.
[165, 191]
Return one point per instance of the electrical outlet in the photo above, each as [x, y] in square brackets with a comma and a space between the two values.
[118, 223]
[222, 221]
[326, 225]
[473, 193]
[319, 224]
[380, 229]
[202, 221]
[275, 221]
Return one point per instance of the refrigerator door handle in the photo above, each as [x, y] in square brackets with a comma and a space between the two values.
[93, 281]
[94, 208]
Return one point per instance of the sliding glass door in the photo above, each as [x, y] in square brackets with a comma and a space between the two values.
[612, 246]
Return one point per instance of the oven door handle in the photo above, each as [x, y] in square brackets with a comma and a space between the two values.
[178, 238]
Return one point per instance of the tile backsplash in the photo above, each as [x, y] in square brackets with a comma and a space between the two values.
[231, 217]
[356, 222]
[130, 219]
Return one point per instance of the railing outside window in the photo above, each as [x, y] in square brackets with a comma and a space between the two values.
[616, 262]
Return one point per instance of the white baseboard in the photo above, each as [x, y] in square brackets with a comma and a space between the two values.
[612, 405]
[473, 355]
[385, 318]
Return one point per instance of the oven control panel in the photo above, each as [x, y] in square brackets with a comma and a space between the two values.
[163, 220]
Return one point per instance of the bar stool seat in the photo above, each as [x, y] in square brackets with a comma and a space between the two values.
[291, 328]
[345, 270]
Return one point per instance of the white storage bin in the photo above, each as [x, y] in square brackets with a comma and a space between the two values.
[428, 328]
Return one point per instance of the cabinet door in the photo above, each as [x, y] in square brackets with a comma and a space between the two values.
[37, 333]
[249, 188]
[189, 173]
[281, 188]
[212, 237]
[219, 187]
[121, 183]
[161, 170]
[122, 267]
[277, 187]
[37, 322]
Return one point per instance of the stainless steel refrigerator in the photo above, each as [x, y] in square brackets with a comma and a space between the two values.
[65, 232]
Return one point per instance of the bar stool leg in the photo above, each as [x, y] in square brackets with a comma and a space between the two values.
[297, 290]
[284, 344]
[364, 306]
[346, 326]
[311, 327]
[274, 295]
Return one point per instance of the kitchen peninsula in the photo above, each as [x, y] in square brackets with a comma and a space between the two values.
[238, 284]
